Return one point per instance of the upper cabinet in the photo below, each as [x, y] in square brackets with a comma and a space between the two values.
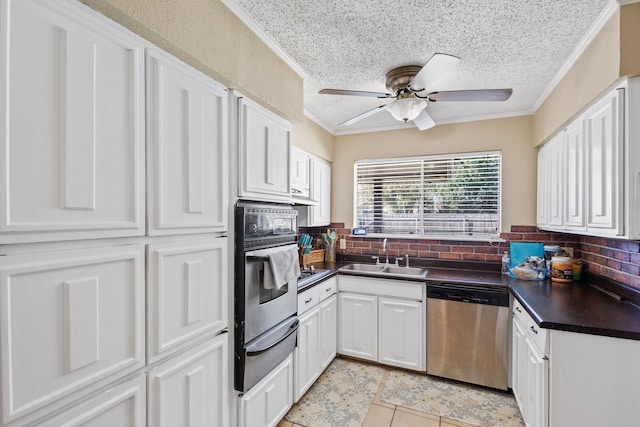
[588, 173]
[187, 148]
[320, 214]
[72, 125]
[300, 173]
[263, 153]
[317, 175]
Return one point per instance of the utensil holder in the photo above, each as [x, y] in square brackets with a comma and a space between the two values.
[330, 253]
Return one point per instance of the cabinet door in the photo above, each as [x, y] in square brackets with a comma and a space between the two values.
[518, 364]
[574, 190]
[124, 405]
[269, 400]
[72, 124]
[358, 331]
[321, 192]
[556, 180]
[192, 389]
[401, 329]
[186, 293]
[307, 353]
[71, 322]
[536, 392]
[604, 165]
[264, 150]
[300, 173]
[543, 186]
[187, 148]
[328, 331]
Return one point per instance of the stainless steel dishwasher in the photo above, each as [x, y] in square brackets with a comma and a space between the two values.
[468, 333]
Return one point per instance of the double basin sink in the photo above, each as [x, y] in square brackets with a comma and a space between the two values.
[385, 270]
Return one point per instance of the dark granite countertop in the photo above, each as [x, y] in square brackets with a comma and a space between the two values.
[574, 307]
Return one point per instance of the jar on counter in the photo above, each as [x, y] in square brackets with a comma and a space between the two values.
[561, 269]
[505, 262]
[577, 270]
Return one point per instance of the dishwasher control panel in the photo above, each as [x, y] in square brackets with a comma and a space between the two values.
[471, 294]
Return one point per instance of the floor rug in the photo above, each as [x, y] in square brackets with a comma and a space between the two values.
[341, 396]
[453, 400]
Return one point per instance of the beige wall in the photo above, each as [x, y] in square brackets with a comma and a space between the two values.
[630, 40]
[313, 139]
[208, 36]
[512, 136]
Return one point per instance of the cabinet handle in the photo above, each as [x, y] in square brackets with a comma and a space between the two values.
[534, 330]
[328, 290]
[518, 310]
[308, 301]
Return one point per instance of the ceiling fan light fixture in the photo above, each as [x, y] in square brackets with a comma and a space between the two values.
[406, 109]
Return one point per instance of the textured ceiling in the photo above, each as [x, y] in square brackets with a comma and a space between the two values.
[352, 44]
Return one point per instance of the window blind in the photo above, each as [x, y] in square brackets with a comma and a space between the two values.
[451, 195]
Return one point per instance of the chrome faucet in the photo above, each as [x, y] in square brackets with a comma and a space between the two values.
[385, 248]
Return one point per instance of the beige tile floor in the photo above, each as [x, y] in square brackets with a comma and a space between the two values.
[383, 414]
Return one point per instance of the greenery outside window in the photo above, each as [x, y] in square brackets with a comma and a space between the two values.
[454, 196]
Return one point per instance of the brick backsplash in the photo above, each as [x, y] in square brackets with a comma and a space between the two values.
[618, 260]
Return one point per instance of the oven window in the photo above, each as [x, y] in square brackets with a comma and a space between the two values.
[267, 295]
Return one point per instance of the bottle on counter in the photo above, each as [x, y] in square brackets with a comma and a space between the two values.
[505, 262]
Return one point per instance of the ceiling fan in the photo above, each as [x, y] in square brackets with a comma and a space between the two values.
[407, 84]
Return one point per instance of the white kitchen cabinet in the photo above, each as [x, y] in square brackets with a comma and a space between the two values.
[124, 405]
[317, 334]
[382, 320]
[269, 400]
[320, 214]
[187, 293]
[73, 124]
[530, 368]
[358, 326]
[264, 153]
[191, 389]
[300, 173]
[401, 328]
[72, 321]
[604, 124]
[186, 149]
[593, 187]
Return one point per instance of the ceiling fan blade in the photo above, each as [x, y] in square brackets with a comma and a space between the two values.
[424, 121]
[355, 93]
[437, 66]
[481, 95]
[362, 116]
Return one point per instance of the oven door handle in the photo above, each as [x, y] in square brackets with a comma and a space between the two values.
[259, 348]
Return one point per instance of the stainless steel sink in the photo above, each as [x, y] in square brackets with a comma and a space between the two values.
[385, 270]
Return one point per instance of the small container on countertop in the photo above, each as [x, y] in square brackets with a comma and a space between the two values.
[561, 269]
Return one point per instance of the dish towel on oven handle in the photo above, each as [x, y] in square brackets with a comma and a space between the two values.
[281, 268]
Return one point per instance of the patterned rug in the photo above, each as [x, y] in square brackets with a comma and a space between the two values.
[452, 400]
[341, 396]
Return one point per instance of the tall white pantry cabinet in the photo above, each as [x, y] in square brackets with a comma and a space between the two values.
[113, 226]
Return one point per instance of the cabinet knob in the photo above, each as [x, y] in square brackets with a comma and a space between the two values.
[308, 301]
[534, 330]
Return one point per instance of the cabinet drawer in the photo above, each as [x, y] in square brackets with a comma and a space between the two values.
[537, 335]
[327, 288]
[124, 405]
[69, 320]
[381, 287]
[187, 293]
[191, 389]
[308, 299]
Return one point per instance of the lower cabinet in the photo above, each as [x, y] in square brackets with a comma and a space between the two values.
[269, 400]
[316, 334]
[191, 389]
[382, 321]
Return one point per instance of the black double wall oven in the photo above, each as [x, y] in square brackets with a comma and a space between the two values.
[265, 319]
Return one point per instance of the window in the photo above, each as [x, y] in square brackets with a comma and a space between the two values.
[445, 195]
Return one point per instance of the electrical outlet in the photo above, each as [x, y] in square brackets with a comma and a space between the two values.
[343, 244]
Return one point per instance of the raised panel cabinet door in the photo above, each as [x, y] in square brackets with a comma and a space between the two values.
[269, 400]
[556, 180]
[321, 192]
[300, 172]
[604, 169]
[537, 394]
[124, 405]
[307, 353]
[264, 152]
[72, 124]
[328, 331]
[187, 293]
[519, 383]
[71, 321]
[191, 389]
[574, 160]
[358, 326]
[543, 186]
[401, 333]
[187, 148]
